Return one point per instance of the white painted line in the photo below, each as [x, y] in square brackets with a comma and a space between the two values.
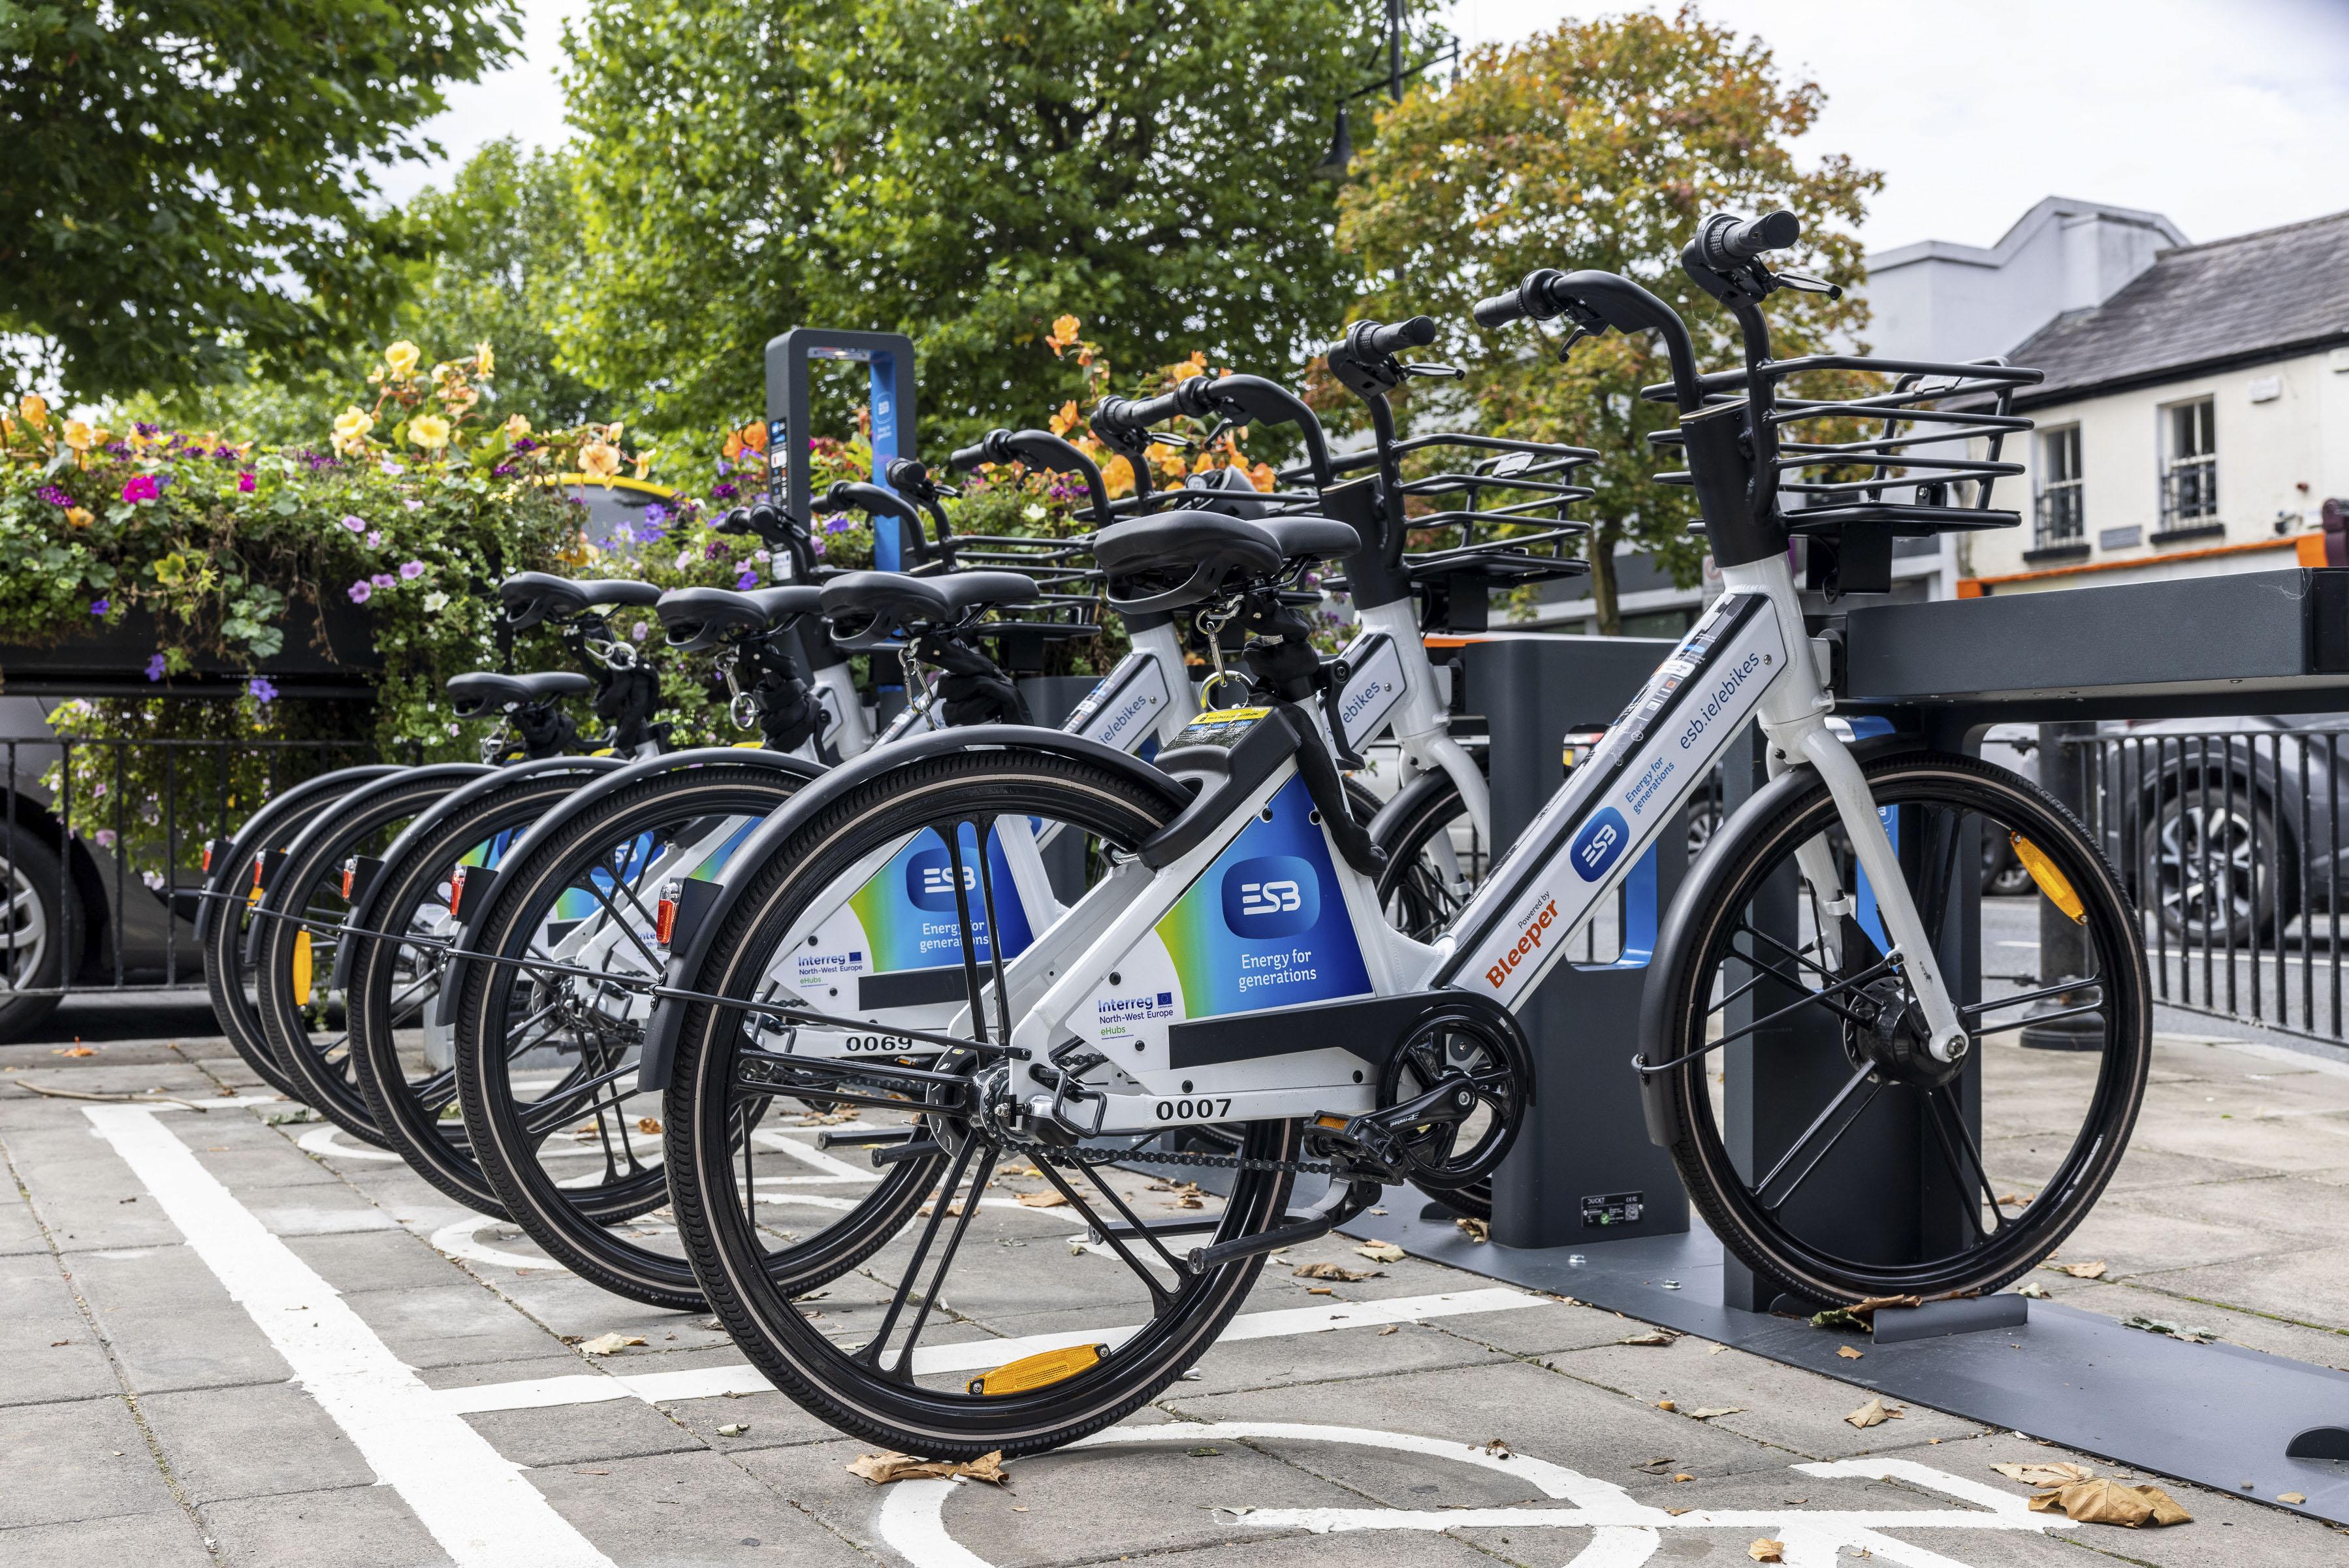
[838, 1170]
[1625, 1532]
[978, 1355]
[475, 1502]
[326, 1141]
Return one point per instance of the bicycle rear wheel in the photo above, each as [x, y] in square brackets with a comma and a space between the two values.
[1910, 1176]
[929, 1352]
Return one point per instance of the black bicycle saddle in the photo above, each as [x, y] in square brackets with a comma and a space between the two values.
[478, 693]
[698, 619]
[531, 598]
[1180, 559]
[869, 608]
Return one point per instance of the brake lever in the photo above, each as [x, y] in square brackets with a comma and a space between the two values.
[1804, 283]
[1441, 372]
[1168, 438]
[1573, 337]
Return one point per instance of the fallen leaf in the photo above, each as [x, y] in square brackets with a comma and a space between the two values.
[1676, 1513]
[1767, 1551]
[2095, 1270]
[2291, 1496]
[1204, 1453]
[606, 1344]
[1842, 1318]
[1337, 1272]
[1320, 1291]
[1849, 1353]
[1041, 1200]
[1683, 1476]
[1868, 1308]
[2057, 1474]
[1875, 1413]
[1473, 1229]
[74, 1051]
[1666, 1404]
[1716, 1350]
[1497, 1448]
[2014, 1199]
[954, 1209]
[1709, 1411]
[733, 1429]
[1391, 1328]
[1382, 1251]
[648, 1124]
[2192, 1335]
[2032, 1289]
[1654, 1336]
[880, 1469]
[2110, 1502]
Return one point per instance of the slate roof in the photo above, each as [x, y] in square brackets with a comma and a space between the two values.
[2254, 295]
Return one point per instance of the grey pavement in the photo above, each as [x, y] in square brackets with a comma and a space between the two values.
[148, 1416]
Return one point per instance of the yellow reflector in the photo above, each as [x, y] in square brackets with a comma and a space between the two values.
[1326, 1119]
[2051, 881]
[1038, 1371]
[301, 966]
[603, 752]
[749, 745]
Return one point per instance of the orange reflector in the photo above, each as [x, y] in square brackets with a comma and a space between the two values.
[1327, 1120]
[208, 860]
[664, 912]
[350, 875]
[259, 866]
[457, 889]
[1039, 1370]
[302, 967]
[2051, 881]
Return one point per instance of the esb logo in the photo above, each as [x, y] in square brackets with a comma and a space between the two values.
[1275, 896]
[1599, 845]
[930, 881]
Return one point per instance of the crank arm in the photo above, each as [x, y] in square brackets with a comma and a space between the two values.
[1338, 1205]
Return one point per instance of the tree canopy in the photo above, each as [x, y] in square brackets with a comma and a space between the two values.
[961, 170]
[186, 184]
[1602, 144]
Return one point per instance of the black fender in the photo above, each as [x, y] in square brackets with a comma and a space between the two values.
[330, 822]
[1705, 885]
[362, 916]
[567, 810]
[689, 946]
[234, 862]
[1408, 803]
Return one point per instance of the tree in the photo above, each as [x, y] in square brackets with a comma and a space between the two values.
[962, 171]
[186, 182]
[1601, 145]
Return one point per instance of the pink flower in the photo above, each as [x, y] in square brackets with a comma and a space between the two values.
[374, 539]
[140, 487]
[411, 570]
[383, 579]
[245, 483]
[355, 524]
[361, 591]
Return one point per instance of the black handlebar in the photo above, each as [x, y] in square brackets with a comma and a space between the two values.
[1595, 301]
[1131, 418]
[1371, 340]
[1037, 449]
[1726, 240]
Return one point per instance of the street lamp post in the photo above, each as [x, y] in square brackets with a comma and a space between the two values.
[1341, 139]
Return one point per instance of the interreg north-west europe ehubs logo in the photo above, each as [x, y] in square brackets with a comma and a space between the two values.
[1272, 896]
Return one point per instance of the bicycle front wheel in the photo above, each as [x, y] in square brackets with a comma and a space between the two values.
[1854, 1164]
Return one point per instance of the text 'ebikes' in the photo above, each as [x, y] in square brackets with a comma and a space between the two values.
[1530, 942]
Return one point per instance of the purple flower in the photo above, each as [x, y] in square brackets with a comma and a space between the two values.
[839, 525]
[723, 493]
[56, 495]
[748, 579]
[724, 467]
[245, 483]
[383, 579]
[375, 539]
[526, 444]
[140, 487]
[715, 548]
[155, 666]
[413, 504]
[503, 471]
[355, 524]
[639, 631]
[656, 513]
[99, 606]
[411, 570]
[361, 591]
[260, 690]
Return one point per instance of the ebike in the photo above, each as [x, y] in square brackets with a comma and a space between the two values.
[1235, 965]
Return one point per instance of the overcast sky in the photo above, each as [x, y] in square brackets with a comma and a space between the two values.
[2225, 115]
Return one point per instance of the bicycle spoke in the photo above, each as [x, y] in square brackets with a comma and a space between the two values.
[1939, 855]
[994, 935]
[904, 1367]
[1159, 1294]
[1964, 1158]
[970, 942]
[871, 1353]
[568, 1100]
[1834, 1121]
[1977, 1008]
[621, 921]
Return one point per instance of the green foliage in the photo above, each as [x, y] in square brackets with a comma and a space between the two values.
[170, 165]
[1600, 145]
[962, 172]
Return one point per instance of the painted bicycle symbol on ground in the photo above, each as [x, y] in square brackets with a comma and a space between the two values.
[1624, 1531]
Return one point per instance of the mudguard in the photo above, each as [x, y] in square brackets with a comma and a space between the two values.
[235, 862]
[690, 946]
[569, 810]
[455, 774]
[362, 916]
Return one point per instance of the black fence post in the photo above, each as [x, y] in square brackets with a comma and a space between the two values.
[2063, 767]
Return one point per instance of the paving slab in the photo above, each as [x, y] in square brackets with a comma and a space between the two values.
[346, 1527]
[691, 1508]
[168, 1322]
[76, 1460]
[46, 1343]
[259, 1440]
[144, 1540]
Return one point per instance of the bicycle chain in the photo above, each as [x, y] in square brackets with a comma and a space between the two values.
[1079, 1160]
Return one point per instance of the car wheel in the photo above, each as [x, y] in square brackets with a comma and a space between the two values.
[40, 930]
[2207, 860]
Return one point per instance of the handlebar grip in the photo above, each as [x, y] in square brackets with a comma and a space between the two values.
[1382, 342]
[1134, 415]
[1726, 240]
[1529, 298]
[962, 460]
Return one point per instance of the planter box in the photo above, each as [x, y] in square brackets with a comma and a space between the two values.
[112, 660]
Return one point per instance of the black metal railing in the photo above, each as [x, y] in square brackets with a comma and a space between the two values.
[2230, 843]
[2189, 493]
[2061, 518]
[102, 843]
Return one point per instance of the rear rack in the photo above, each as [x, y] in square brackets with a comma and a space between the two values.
[1855, 497]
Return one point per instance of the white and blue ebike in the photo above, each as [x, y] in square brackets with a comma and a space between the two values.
[1233, 964]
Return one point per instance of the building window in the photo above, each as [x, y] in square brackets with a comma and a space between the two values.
[2189, 476]
[2061, 519]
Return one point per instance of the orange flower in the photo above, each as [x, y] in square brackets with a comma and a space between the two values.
[733, 447]
[1064, 332]
[1117, 475]
[599, 460]
[754, 435]
[1261, 476]
[35, 409]
[1066, 420]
